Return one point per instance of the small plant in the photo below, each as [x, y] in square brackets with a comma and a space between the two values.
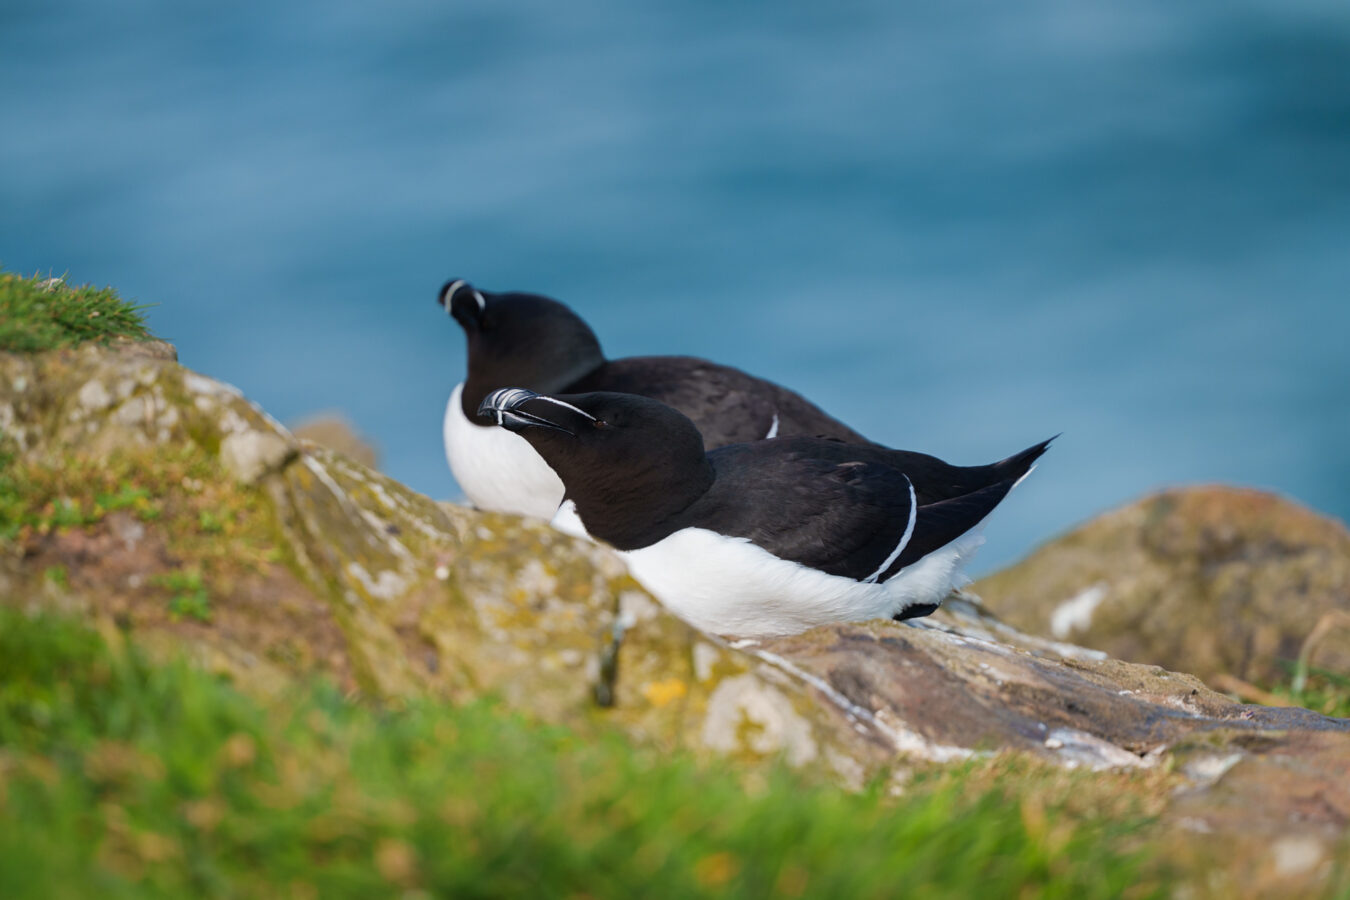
[131, 497]
[68, 513]
[57, 575]
[190, 597]
[127, 496]
[209, 522]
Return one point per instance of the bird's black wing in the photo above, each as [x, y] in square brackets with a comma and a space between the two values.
[940, 523]
[843, 518]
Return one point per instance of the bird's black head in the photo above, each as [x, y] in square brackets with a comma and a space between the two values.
[463, 301]
[517, 339]
[631, 464]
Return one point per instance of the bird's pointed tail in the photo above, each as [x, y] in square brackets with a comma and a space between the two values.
[1019, 465]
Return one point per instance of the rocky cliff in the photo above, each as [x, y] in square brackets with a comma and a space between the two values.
[162, 503]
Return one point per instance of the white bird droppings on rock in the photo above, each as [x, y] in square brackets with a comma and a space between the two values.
[1296, 855]
[635, 606]
[776, 726]
[705, 657]
[131, 413]
[1208, 769]
[93, 396]
[386, 586]
[535, 578]
[1075, 614]
[200, 384]
[127, 530]
[249, 455]
[1085, 749]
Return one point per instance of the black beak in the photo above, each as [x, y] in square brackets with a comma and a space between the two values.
[462, 300]
[504, 407]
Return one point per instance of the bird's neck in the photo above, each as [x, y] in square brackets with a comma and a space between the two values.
[484, 378]
[638, 509]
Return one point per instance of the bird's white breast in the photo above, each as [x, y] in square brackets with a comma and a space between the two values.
[496, 469]
[729, 585]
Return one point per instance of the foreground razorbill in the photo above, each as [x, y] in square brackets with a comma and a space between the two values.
[760, 538]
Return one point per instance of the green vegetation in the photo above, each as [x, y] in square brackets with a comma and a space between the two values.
[204, 516]
[1319, 689]
[1315, 688]
[123, 778]
[20, 514]
[45, 313]
[190, 597]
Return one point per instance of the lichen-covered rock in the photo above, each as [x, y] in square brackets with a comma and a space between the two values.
[95, 400]
[1207, 580]
[304, 562]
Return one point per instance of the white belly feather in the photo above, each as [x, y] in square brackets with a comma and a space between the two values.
[728, 585]
[496, 469]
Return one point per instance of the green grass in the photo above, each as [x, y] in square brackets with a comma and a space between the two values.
[1325, 691]
[45, 313]
[122, 778]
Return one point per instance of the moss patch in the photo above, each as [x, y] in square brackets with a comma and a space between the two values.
[206, 517]
[45, 313]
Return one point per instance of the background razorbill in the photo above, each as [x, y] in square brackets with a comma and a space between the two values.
[766, 537]
[530, 341]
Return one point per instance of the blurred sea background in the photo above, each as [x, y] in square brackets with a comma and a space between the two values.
[959, 227]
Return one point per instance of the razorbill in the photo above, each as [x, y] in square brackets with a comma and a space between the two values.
[766, 537]
[525, 340]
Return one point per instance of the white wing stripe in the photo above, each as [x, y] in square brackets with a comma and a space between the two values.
[909, 533]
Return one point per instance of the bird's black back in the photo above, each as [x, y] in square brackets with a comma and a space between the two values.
[728, 406]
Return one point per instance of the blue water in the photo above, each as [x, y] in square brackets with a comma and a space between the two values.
[960, 227]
